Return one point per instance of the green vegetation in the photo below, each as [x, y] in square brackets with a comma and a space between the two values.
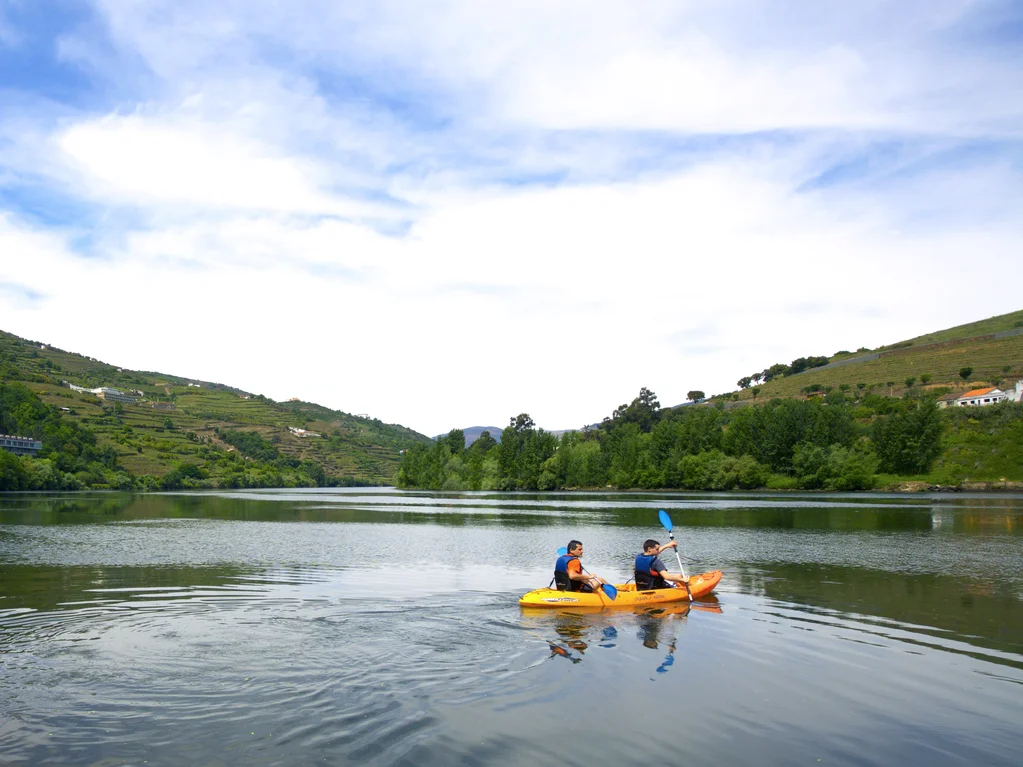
[996, 324]
[932, 361]
[837, 442]
[808, 424]
[177, 435]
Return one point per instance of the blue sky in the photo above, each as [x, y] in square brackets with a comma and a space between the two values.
[364, 204]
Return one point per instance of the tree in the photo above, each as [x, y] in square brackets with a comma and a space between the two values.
[456, 441]
[770, 433]
[925, 378]
[696, 395]
[1006, 368]
[910, 381]
[908, 442]
[522, 422]
[644, 411]
[965, 373]
[744, 382]
[834, 467]
[756, 391]
[484, 442]
[12, 474]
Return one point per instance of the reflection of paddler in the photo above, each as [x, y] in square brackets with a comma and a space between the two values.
[562, 652]
[573, 629]
[650, 630]
[650, 624]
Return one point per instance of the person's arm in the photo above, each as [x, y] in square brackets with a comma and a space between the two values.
[664, 547]
[658, 567]
[579, 575]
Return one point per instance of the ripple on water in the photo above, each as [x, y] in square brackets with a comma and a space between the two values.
[370, 635]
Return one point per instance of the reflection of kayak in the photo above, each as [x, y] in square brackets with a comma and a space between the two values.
[701, 585]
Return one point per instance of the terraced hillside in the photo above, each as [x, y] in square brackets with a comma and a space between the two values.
[180, 422]
[991, 348]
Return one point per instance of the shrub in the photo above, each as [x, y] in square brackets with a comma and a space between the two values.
[908, 442]
[834, 467]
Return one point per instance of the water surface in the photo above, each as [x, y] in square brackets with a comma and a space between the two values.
[381, 627]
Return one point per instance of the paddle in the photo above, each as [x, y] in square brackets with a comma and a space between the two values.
[607, 588]
[666, 524]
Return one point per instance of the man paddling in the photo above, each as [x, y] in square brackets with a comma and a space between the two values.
[569, 574]
[651, 572]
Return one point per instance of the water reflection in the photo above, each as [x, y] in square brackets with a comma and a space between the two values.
[570, 633]
[383, 627]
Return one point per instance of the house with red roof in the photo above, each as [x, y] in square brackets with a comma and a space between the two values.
[981, 397]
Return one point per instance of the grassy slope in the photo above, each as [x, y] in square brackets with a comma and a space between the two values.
[982, 327]
[980, 445]
[360, 448]
[940, 355]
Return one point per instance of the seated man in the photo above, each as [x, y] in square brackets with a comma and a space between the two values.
[650, 570]
[569, 574]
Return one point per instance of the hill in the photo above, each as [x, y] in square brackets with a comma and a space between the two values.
[991, 349]
[199, 432]
[852, 421]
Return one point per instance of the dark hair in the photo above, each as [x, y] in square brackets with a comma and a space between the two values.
[650, 543]
[573, 545]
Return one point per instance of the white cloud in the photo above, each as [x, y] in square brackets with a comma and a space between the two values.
[135, 161]
[686, 66]
[275, 154]
[592, 290]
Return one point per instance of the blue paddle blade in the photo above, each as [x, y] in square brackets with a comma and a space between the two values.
[611, 591]
[665, 520]
[562, 551]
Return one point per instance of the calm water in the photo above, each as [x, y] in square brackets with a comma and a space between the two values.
[378, 627]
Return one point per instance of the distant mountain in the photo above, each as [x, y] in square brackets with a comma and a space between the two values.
[472, 433]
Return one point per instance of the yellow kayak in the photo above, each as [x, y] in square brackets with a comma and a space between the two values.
[700, 585]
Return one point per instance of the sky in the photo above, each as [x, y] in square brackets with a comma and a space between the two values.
[445, 214]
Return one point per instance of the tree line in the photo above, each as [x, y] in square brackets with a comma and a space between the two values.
[832, 443]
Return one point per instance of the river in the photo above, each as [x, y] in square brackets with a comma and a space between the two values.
[382, 627]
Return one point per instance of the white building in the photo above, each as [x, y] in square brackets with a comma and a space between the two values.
[981, 397]
[113, 395]
[20, 445]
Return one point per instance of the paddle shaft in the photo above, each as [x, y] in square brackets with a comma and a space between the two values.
[599, 591]
[688, 590]
[607, 588]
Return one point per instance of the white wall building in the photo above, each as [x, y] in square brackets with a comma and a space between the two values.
[981, 397]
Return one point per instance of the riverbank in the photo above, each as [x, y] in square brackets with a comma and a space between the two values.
[1003, 486]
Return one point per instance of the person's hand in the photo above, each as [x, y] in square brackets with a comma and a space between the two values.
[671, 545]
